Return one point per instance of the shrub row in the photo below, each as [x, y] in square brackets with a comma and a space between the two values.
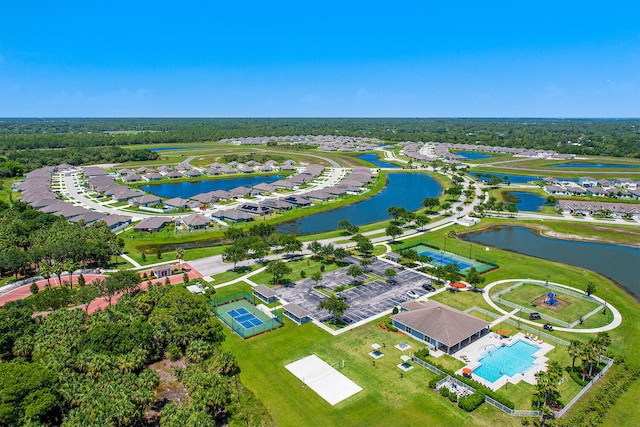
[422, 354]
[434, 381]
[477, 386]
[471, 402]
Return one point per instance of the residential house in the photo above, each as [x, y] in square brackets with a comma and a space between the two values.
[587, 181]
[175, 203]
[232, 215]
[145, 201]
[152, 224]
[195, 221]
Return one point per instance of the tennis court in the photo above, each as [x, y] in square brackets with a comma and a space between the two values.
[245, 319]
[443, 258]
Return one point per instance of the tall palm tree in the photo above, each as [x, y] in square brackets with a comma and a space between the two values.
[180, 255]
[574, 350]
[57, 269]
[603, 340]
[45, 271]
[71, 266]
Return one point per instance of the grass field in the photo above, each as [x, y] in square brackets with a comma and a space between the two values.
[386, 398]
[308, 265]
[530, 293]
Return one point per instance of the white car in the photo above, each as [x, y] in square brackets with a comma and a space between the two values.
[412, 294]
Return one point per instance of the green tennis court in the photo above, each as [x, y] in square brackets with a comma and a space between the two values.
[245, 319]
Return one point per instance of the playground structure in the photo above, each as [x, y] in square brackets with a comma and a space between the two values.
[551, 299]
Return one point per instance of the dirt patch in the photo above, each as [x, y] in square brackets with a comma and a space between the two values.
[541, 302]
[170, 389]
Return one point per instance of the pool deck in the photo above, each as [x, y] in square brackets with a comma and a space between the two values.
[472, 353]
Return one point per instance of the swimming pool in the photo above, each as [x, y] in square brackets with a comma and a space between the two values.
[507, 360]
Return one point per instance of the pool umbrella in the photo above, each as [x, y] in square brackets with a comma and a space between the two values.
[503, 332]
[467, 371]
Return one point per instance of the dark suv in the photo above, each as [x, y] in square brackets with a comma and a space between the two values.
[428, 287]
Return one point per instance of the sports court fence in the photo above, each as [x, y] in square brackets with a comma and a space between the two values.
[482, 263]
[221, 304]
[236, 296]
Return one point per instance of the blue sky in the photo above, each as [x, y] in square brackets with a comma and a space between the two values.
[325, 58]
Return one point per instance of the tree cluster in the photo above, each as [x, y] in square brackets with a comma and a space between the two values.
[45, 244]
[72, 369]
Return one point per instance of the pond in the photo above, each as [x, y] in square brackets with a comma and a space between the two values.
[403, 189]
[594, 166]
[515, 179]
[473, 155]
[373, 158]
[528, 201]
[619, 263]
[189, 189]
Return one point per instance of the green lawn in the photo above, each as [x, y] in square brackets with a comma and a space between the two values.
[526, 294]
[386, 398]
[308, 265]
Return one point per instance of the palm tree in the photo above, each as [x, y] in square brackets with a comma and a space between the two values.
[45, 271]
[603, 340]
[57, 269]
[179, 255]
[70, 265]
[574, 350]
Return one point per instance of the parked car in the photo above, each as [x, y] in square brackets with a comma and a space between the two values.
[534, 316]
[548, 327]
[428, 287]
[412, 294]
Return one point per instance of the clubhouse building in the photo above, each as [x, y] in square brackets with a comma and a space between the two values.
[438, 325]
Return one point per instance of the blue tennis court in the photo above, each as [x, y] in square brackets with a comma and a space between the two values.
[244, 317]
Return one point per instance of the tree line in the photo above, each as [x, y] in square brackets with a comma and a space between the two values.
[620, 138]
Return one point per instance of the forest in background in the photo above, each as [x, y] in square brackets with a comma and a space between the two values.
[620, 138]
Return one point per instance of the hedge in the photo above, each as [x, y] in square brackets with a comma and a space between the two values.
[476, 385]
[436, 380]
[472, 401]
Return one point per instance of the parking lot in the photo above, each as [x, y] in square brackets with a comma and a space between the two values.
[365, 300]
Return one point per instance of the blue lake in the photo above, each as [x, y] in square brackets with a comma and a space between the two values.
[594, 166]
[516, 179]
[473, 155]
[619, 263]
[372, 158]
[528, 201]
[403, 189]
[188, 189]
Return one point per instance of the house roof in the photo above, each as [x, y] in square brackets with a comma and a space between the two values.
[115, 219]
[152, 223]
[148, 198]
[264, 291]
[196, 220]
[297, 310]
[178, 202]
[447, 325]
